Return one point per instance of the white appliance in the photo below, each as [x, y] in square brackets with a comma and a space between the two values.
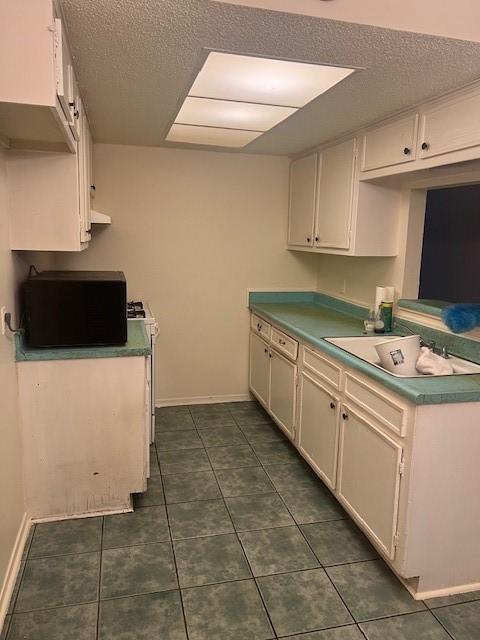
[142, 311]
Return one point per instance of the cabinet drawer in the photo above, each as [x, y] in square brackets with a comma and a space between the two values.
[260, 326]
[389, 412]
[322, 367]
[285, 344]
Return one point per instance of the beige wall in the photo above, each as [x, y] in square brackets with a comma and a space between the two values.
[11, 484]
[193, 230]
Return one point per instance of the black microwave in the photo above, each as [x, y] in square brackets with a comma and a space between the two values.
[75, 308]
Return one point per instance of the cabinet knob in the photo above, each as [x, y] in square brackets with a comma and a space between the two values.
[76, 113]
[270, 355]
[282, 342]
[345, 416]
[406, 151]
[317, 239]
[309, 239]
[332, 405]
[425, 145]
[259, 326]
[93, 187]
[266, 350]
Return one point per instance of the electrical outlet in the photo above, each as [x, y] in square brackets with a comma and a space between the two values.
[3, 311]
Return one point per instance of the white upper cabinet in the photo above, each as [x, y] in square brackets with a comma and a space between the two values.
[303, 179]
[390, 144]
[440, 132]
[35, 88]
[450, 125]
[335, 195]
[337, 213]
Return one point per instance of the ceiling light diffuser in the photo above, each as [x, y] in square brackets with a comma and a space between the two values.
[263, 80]
[233, 115]
[211, 135]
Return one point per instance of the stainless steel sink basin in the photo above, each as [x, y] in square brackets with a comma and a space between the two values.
[363, 347]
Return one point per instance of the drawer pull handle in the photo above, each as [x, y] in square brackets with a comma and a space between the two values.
[332, 405]
[425, 146]
[406, 151]
[345, 416]
[282, 342]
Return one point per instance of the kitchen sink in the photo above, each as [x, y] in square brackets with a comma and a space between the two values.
[363, 347]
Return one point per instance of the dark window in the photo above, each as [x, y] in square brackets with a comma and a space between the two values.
[450, 268]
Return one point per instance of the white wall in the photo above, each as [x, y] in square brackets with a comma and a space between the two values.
[11, 483]
[193, 230]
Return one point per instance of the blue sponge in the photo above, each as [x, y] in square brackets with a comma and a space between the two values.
[461, 317]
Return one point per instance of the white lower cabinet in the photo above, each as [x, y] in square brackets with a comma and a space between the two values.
[318, 427]
[259, 369]
[273, 381]
[283, 378]
[369, 471]
[407, 474]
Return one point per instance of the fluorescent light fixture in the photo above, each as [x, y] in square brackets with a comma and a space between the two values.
[235, 98]
[233, 115]
[263, 80]
[211, 135]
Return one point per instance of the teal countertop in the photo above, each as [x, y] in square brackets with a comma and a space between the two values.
[429, 307]
[137, 344]
[313, 319]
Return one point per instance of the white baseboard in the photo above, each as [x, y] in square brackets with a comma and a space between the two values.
[13, 566]
[176, 402]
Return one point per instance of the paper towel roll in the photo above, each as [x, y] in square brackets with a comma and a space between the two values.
[384, 294]
[380, 293]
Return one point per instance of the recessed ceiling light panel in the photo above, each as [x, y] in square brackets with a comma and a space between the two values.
[235, 98]
[233, 115]
[263, 80]
[211, 135]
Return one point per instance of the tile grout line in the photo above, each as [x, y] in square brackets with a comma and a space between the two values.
[267, 613]
[276, 491]
[172, 545]
[97, 634]
[315, 556]
[441, 623]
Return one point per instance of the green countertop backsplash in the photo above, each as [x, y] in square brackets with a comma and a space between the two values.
[312, 317]
[138, 344]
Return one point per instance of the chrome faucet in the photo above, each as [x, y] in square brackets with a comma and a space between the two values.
[444, 353]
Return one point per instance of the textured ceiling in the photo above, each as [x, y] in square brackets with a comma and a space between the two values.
[136, 60]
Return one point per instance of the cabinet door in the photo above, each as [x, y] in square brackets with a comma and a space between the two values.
[283, 380]
[318, 428]
[63, 64]
[303, 180]
[369, 476]
[451, 125]
[259, 368]
[390, 144]
[335, 196]
[84, 174]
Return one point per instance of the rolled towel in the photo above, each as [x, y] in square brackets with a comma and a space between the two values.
[430, 364]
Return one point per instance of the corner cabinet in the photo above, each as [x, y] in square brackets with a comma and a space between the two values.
[331, 212]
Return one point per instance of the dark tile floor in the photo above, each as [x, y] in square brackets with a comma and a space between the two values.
[235, 539]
